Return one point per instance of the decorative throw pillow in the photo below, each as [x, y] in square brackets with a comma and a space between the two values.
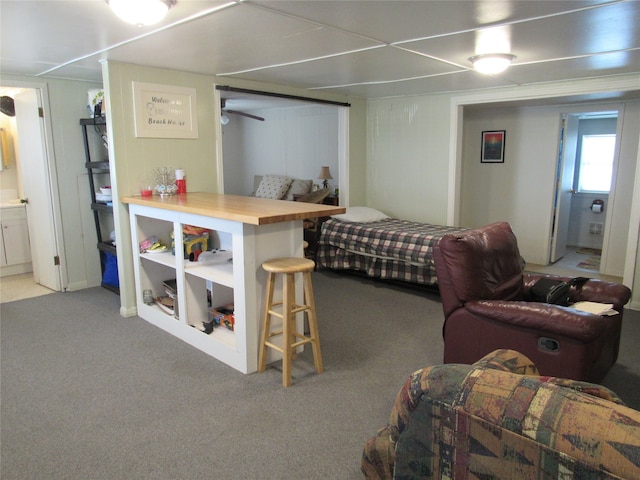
[361, 215]
[298, 187]
[273, 186]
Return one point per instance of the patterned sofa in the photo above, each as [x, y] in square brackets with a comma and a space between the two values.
[498, 419]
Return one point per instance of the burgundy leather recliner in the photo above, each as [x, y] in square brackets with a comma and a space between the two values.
[486, 302]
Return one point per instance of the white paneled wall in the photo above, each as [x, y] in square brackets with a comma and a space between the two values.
[408, 157]
[294, 141]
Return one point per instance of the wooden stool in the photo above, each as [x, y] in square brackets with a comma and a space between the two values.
[291, 338]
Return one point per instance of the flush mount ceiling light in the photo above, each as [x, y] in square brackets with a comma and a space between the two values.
[492, 63]
[141, 12]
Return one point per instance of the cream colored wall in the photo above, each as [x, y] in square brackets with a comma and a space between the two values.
[135, 158]
[357, 171]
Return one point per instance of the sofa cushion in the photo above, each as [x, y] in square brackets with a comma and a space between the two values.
[298, 187]
[498, 419]
[273, 186]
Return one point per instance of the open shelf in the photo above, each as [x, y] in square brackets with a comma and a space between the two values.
[97, 165]
[212, 282]
[221, 274]
[166, 258]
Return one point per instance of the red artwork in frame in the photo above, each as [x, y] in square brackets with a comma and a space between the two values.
[493, 142]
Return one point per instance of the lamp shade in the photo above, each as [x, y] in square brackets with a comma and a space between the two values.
[325, 174]
[141, 12]
[492, 63]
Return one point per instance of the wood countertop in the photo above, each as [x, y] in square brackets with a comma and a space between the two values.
[238, 208]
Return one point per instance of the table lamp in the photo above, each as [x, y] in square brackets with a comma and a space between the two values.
[325, 175]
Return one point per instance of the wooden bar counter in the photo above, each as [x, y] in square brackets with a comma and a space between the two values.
[247, 231]
[255, 211]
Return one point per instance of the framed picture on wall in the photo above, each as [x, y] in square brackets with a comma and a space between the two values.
[493, 146]
[164, 111]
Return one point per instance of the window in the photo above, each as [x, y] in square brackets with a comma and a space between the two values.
[596, 163]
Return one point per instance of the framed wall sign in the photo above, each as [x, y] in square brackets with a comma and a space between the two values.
[164, 111]
[493, 146]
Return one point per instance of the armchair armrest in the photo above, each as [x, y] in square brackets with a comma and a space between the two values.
[594, 290]
[555, 319]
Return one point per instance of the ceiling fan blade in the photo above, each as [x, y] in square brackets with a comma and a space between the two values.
[255, 117]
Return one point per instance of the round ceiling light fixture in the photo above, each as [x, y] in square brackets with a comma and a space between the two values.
[492, 63]
[141, 12]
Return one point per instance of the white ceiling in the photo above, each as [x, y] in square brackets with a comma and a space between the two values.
[368, 49]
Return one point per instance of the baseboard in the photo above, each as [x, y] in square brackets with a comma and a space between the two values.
[9, 270]
[128, 312]
[633, 306]
[72, 287]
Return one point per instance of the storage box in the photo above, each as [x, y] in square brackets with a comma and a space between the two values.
[223, 316]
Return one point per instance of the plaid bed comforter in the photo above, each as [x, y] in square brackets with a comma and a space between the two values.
[391, 249]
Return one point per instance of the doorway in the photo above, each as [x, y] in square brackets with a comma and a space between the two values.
[32, 178]
[580, 210]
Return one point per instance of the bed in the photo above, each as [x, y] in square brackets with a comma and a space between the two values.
[380, 246]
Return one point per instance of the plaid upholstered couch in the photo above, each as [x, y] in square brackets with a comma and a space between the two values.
[498, 419]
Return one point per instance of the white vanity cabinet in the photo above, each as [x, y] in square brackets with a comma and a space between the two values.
[16, 249]
[253, 230]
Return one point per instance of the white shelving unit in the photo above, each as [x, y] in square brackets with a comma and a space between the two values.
[240, 282]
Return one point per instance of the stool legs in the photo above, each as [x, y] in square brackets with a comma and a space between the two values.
[266, 322]
[288, 327]
[313, 323]
[291, 338]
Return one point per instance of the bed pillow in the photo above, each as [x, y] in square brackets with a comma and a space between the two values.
[361, 215]
[298, 187]
[273, 186]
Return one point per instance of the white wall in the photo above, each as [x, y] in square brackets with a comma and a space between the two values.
[412, 161]
[582, 216]
[407, 157]
[292, 141]
[520, 190]
[620, 202]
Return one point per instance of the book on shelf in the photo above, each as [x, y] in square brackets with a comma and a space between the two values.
[170, 286]
[604, 309]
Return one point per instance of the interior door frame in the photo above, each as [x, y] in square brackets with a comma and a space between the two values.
[50, 170]
[565, 168]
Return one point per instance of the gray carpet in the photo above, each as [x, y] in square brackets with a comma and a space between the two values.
[87, 394]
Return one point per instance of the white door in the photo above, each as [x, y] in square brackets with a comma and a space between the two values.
[564, 188]
[37, 190]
